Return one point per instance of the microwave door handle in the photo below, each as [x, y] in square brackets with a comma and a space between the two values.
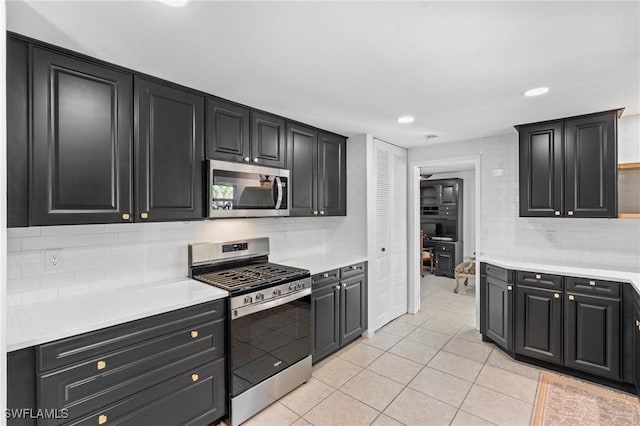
[279, 192]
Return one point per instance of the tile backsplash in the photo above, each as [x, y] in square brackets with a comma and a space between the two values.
[96, 257]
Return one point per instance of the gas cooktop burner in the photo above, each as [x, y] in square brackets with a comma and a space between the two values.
[250, 276]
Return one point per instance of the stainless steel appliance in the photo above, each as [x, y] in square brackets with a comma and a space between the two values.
[245, 190]
[269, 333]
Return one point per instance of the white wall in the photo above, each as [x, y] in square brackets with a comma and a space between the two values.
[629, 139]
[468, 207]
[600, 243]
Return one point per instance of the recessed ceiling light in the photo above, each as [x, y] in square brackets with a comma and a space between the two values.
[536, 91]
[174, 3]
[405, 119]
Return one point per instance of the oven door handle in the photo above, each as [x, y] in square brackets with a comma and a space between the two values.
[248, 310]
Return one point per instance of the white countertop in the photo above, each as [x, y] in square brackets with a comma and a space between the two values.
[321, 262]
[632, 277]
[33, 324]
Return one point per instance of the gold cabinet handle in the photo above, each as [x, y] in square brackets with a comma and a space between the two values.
[556, 295]
[314, 212]
[638, 323]
[194, 377]
[354, 267]
[255, 160]
[592, 283]
[557, 212]
[144, 215]
[194, 334]
[247, 159]
[325, 275]
[509, 287]
[570, 213]
[538, 276]
[321, 212]
[101, 365]
[125, 216]
[102, 419]
[572, 297]
[344, 285]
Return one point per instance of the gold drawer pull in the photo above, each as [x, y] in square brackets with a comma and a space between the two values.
[125, 216]
[571, 297]
[144, 215]
[538, 276]
[101, 365]
[102, 419]
[354, 267]
[556, 295]
[194, 334]
[592, 283]
[557, 212]
[325, 275]
[509, 287]
[570, 213]
[194, 377]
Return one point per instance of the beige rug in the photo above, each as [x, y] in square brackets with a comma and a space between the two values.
[566, 401]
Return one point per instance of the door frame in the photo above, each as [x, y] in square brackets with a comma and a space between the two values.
[413, 222]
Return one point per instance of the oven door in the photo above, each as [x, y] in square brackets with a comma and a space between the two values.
[244, 190]
[268, 338]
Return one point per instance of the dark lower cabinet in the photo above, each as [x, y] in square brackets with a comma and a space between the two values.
[339, 309]
[82, 132]
[538, 324]
[499, 311]
[447, 256]
[169, 152]
[636, 343]
[592, 335]
[165, 369]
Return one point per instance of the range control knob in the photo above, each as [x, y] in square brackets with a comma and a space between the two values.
[259, 296]
[248, 299]
[276, 292]
[301, 284]
[292, 286]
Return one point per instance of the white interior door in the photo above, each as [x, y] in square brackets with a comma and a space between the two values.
[388, 283]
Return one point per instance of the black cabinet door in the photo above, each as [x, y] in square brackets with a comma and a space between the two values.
[541, 168]
[227, 131]
[268, 139]
[302, 146]
[591, 166]
[592, 335]
[445, 262]
[352, 309]
[81, 155]
[449, 193]
[499, 312]
[538, 329]
[636, 346]
[325, 310]
[332, 175]
[169, 152]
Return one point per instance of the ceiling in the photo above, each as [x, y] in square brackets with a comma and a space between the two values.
[353, 67]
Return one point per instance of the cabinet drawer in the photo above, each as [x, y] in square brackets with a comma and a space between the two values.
[539, 280]
[495, 272]
[594, 287]
[177, 401]
[94, 383]
[78, 348]
[448, 211]
[325, 278]
[352, 271]
[447, 248]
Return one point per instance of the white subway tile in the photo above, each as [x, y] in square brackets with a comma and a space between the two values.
[33, 231]
[75, 240]
[35, 243]
[36, 296]
[14, 244]
[14, 300]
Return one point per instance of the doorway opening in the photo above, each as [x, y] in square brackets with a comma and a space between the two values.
[444, 225]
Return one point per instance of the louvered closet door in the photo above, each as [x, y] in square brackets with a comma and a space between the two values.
[388, 284]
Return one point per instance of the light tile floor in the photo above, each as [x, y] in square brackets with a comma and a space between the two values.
[426, 369]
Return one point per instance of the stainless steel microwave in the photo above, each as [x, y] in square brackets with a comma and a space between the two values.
[245, 190]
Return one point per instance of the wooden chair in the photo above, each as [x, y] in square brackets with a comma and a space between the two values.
[425, 254]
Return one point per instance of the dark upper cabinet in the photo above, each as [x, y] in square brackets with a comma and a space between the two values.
[332, 175]
[592, 335]
[325, 309]
[352, 310]
[302, 162]
[541, 166]
[591, 163]
[568, 167]
[227, 131]
[81, 169]
[538, 324]
[169, 152]
[268, 139]
[498, 299]
[449, 193]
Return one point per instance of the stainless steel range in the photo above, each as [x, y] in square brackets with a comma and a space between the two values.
[269, 333]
